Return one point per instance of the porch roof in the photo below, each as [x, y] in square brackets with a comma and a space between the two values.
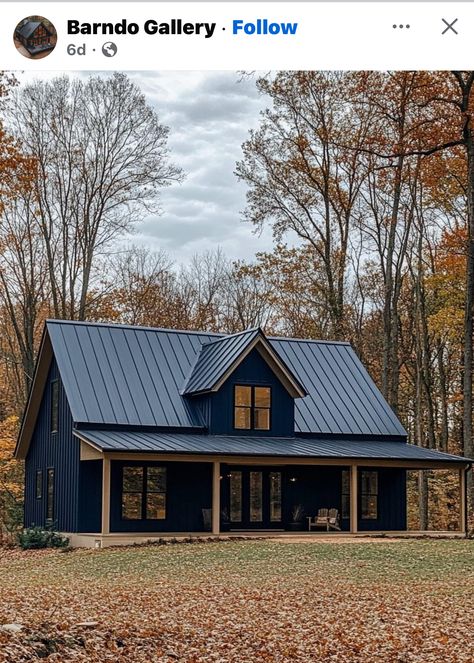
[143, 441]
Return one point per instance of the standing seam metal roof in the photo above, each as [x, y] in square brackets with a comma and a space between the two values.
[215, 358]
[158, 442]
[117, 374]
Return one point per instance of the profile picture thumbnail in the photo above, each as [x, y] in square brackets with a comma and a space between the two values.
[35, 37]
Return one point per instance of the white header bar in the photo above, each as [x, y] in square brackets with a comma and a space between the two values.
[209, 36]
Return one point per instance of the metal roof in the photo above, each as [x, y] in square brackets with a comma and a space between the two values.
[219, 357]
[118, 374]
[27, 29]
[294, 447]
[214, 359]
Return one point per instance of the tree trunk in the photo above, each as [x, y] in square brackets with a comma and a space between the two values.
[469, 304]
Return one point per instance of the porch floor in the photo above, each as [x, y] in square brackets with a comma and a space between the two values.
[122, 539]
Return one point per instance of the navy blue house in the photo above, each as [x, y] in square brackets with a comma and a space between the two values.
[131, 433]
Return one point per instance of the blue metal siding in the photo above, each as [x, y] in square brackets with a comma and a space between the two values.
[392, 501]
[59, 451]
[253, 371]
[317, 488]
[188, 491]
[116, 374]
[90, 496]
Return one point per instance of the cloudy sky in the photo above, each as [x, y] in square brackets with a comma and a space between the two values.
[209, 115]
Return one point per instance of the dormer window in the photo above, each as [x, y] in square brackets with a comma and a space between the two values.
[252, 406]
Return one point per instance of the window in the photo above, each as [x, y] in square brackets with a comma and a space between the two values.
[156, 493]
[236, 497]
[50, 495]
[369, 495]
[144, 493]
[275, 497]
[54, 405]
[39, 484]
[345, 494]
[252, 407]
[256, 497]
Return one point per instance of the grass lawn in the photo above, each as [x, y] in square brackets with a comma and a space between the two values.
[404, 601]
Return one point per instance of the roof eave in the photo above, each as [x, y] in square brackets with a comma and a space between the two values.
[43, 363]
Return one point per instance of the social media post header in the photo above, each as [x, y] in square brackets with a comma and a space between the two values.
[205, 36]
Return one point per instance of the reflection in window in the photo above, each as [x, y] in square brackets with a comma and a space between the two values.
[369, 494]
[39, 484]
[252, 406]
[54, 406]
[132, 493]
[256, 504]
[143, 493]
[275, 497]
[50, 495]
[156, 493]
[345, 494]
[236, 497]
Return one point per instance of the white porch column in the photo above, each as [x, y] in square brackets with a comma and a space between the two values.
[353, 496]
[105, 495]
[462, 500]
[216, 497]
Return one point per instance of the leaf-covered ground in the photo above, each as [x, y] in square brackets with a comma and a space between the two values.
[251, 601]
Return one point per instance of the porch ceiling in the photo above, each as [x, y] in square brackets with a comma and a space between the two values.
[146, 441]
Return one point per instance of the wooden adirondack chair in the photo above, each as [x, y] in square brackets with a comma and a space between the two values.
[333, 520]
[327, 518]
[321, 520]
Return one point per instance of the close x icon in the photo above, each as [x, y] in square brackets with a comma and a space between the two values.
[449, 26]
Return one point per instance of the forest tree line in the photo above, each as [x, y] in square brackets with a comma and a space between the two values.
[366, 179]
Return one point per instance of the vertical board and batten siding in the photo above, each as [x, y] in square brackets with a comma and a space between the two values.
[59, 451]
[90, 496]
[317, 488]
[252, 371]
[188, 492]
[392, 502]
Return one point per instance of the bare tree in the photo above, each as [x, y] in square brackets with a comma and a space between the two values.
[301, 180]
[102, 157]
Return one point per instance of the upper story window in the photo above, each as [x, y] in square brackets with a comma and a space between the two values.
[252, 407]
[54, 406]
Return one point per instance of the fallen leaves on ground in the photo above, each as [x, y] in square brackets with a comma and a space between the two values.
[249, 601]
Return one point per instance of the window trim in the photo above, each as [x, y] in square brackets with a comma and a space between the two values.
[54, 406]
[144, 492]
[39, 484]
[252, 407]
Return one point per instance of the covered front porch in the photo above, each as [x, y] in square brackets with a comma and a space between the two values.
[151, 495]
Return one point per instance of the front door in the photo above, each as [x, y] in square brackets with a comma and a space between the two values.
[254, 496]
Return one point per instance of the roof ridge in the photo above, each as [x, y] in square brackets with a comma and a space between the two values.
[226, 337]
[218, 335]
[121, 325]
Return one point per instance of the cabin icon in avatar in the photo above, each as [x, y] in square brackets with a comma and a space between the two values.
[36, 35]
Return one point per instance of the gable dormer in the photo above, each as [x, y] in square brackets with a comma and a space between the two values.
[242, 386]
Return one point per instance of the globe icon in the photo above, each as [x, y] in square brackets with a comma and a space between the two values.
[109, 49]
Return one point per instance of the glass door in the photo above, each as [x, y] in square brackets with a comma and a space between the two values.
[254, 497]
